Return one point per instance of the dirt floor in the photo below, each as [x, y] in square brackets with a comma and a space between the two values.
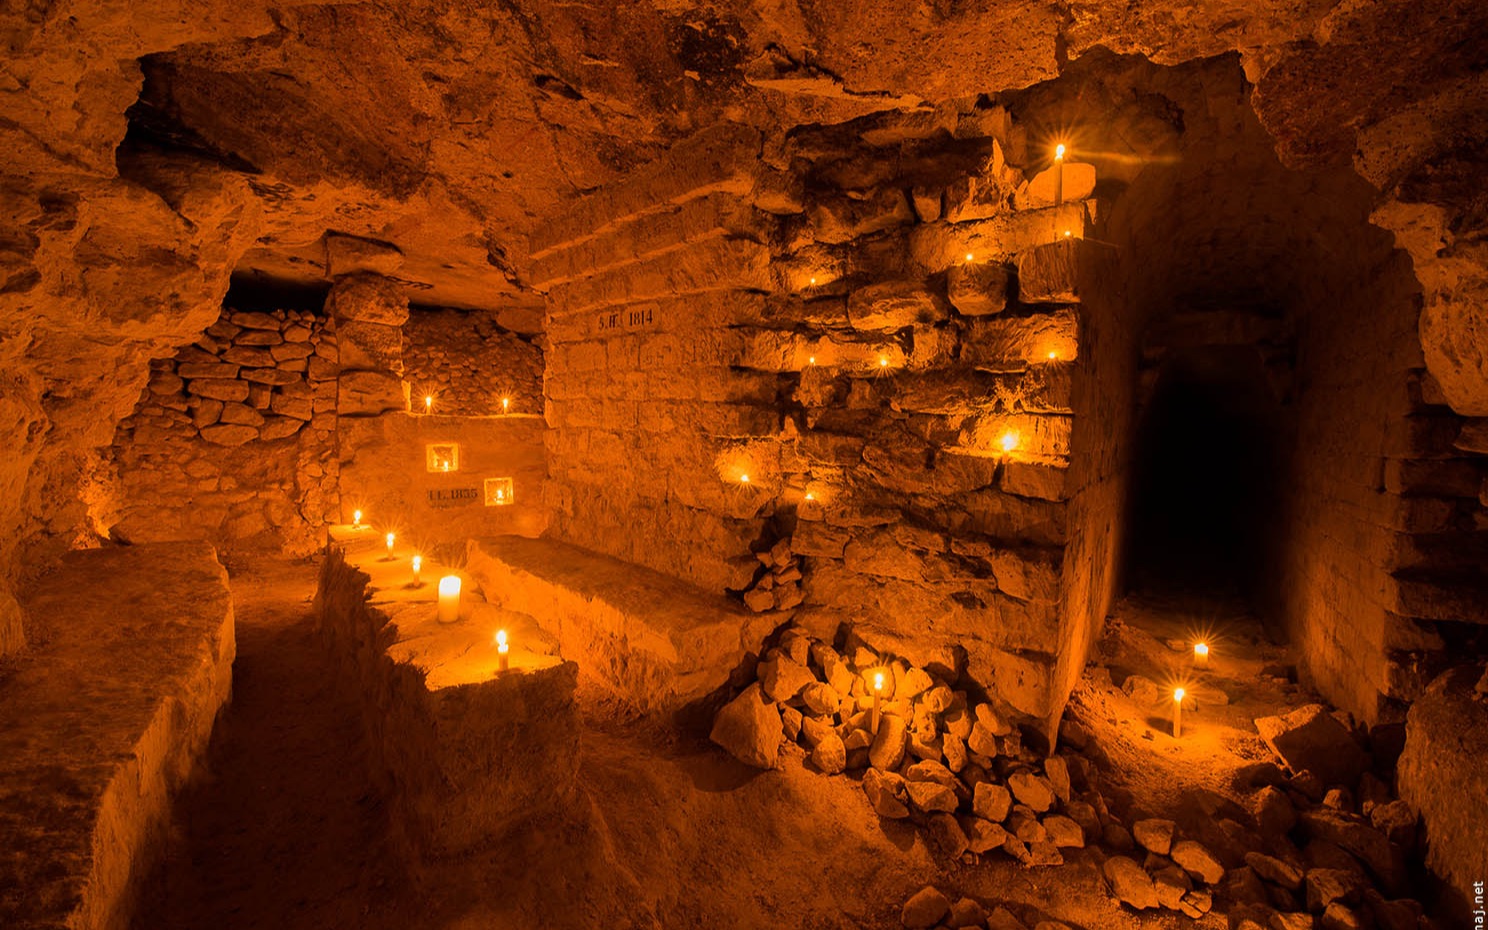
[288, 833]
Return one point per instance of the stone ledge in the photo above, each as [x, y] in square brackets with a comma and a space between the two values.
[102, 722]
[652, 640]
[466, 755]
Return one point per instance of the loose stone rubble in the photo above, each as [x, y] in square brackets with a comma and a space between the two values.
[1302, 852]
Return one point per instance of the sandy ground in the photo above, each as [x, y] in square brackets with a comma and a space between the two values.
[287, 832]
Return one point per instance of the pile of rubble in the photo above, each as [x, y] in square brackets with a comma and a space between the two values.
[1324, 848]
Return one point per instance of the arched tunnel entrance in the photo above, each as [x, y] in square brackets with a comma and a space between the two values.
[1204, 498]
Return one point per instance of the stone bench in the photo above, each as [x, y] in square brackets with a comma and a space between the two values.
[101, 722]
[465, 754]
[651, 640]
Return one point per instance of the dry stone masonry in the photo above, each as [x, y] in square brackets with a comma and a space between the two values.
[877, 342]
[234, 436]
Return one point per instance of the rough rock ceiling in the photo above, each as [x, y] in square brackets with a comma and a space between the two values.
[149, 149]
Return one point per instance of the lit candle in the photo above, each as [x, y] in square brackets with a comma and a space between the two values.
[1201, 655]
[968, 256]
[883, 361]
[1177, 712]
[1059, 175]
[811, 360]
[503, 652]
[428, 403]
[813, 282]
[1009, 441]
[810, 496]
[390, 538]
[743, 479]
[505, 404]
[417, 563]
[449, 598]
[1053, 355]
[356, 519]
[877, 701]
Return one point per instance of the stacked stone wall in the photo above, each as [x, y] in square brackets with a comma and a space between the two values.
[469, 364]
[233, 437]
[802, 352]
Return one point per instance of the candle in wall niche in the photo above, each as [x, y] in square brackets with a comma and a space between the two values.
[1201, 655]
[503, 652]
[428, 403]
[416, 564]
[449, 599]
[391, 538]
[877, 701]
[1177, 712]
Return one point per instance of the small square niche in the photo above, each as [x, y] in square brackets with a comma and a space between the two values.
[442, 457]
[499, 492]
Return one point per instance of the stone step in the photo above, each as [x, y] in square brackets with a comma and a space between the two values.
[651, 640]
[102, 721]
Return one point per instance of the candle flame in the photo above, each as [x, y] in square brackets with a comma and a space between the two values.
[1178, 695]
[356, 518]
[969, 256]
[390, 538]
[428, 402]
[810, 496]
[811, 360]
[813, 281]
[505, 404]
[1009, 441]
[1067, 234]
[878, 681]
[501, 638]
[883, 361]
[1201, 649]
[1053, 354]
[1059, 152]
[418, 562]
[743, 479]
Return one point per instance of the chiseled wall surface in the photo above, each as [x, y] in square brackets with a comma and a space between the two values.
[813, 323]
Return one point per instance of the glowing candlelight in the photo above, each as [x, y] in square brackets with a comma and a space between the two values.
[1067, 234]
[810, 496]
[1059, 175]
[883, 361]
[505, 404]
[390, 539]
[1201, 655]
[877, 701]
[503, 652]
[813, 282]
[969, 256]
[356, 519]
[1009, 441]
[1053, 355]
[743, 479]
[428, 403]
[449, 599]
[1177, 712]
[416, 564]
[811, 360]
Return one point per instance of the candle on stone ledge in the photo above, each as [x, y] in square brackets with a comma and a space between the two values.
[1201, 655]
[416, 564]
[356, 519]
[505, 404]
[391, 537]
[428, 403]
[449, 599]
[1059, 174]
[1177, 712]
[503, 652]
[878, 679]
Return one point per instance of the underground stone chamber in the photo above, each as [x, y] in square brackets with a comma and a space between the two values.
[653, 466]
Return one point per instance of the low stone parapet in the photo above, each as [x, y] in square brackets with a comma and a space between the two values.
[101, 723]
[465, 752]
[653, 641]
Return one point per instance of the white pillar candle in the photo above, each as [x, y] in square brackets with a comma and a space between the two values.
[1177, 712]
[1201, 655]
[503, 652]
[1058, 174]
[877, 702]
[416, 564]
[449, 598]
[391, 537]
